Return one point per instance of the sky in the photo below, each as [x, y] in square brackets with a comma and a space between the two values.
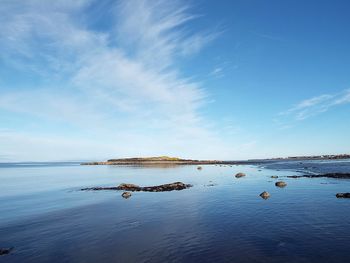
[232, 80]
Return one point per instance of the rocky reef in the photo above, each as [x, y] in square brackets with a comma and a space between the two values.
[5, 251]
[327, 175]
[343, 195]
[135, 188]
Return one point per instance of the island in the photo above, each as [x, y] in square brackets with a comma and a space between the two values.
[166, 160]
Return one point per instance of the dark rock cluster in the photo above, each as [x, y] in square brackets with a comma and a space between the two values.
[343, 195]
[5, 251]
[239, 175]
[135, 188]
[327, 175]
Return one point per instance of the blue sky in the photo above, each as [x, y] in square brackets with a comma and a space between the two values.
[90, 80]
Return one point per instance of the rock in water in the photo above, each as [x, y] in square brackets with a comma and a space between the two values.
[133, 187]
[281, 184]
[343, 195]
[265, 195]
[274, 176]
[199, 168]
[5, 251]
[128, 187]
[239, 175]
[126, 195]
[327, 175]
[166, 187]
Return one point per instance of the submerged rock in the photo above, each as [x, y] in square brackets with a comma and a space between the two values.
[274, 176]
[133, 187]
[265, 195]
[126, 195]
[239, 175]
[281, 184]
[5, 251]
[343, 195]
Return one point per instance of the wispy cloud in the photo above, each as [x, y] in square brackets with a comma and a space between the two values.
[217, 72]
[124, 80]
[313, 106]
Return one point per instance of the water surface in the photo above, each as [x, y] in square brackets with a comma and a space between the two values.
[45, 217]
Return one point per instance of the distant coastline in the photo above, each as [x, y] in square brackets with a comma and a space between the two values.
[166, 160]
[316, 157]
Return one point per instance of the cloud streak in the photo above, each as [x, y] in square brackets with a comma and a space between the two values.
[314, 106]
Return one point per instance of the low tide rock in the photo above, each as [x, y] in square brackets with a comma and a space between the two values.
[126, 195]
[133, 187]
[265, 195]
[5, 251]
[327, 175]
[166, 187]
[343, 195]
[281, 184]
[239, 175]
[129, 187]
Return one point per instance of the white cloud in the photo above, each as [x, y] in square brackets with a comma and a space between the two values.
[217, 72]
[313, 106]
[122, 84]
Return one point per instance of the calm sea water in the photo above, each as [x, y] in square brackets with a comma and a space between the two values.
[45, 217]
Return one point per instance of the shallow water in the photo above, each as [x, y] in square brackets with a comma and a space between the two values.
[45, 217]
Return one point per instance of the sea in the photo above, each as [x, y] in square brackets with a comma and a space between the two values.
[45, 217]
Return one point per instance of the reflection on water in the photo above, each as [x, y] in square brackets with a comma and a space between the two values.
[46, 218]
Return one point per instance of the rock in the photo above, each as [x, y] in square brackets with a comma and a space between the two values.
[327, 175]
[133, 187]
[274, 176]
[265, 195]
[199, 168]
[239, 175]
[126, 195]
[98, 188]
[343, 195]
[129, 187]
[280, 184]
[5, 251]
[166, 187]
